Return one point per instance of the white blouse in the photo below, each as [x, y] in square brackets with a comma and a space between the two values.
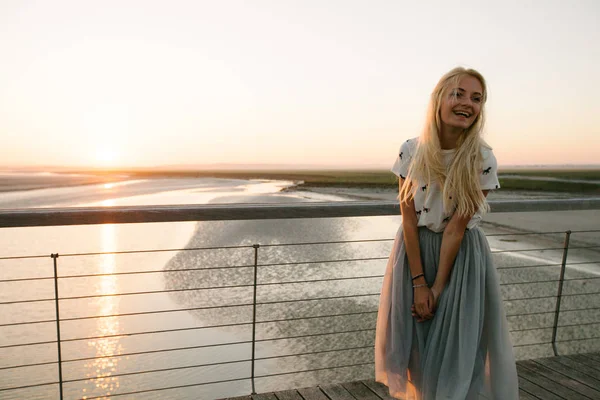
[429, 204]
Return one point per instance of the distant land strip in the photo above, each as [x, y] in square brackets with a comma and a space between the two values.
[559, 180]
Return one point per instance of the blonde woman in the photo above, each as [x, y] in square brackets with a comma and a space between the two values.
[441, 328]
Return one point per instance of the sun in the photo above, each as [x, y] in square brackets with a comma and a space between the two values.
[106, 157]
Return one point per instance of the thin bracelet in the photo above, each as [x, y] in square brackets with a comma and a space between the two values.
[421, 285]
[418, 276]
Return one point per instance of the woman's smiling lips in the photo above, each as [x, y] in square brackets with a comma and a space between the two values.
[462, 114]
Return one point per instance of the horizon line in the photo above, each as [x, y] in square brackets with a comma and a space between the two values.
[235, 167]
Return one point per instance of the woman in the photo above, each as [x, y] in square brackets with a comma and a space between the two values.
[441, 328]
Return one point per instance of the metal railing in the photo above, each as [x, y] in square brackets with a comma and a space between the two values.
[264, 311]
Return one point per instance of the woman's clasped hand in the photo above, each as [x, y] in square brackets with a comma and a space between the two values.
[425, 303]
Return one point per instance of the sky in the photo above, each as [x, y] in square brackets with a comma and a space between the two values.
[330, 83]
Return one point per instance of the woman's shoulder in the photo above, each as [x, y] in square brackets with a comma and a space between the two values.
[486, 151]
[410, 145]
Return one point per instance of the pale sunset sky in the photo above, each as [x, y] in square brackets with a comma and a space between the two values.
[335, 83]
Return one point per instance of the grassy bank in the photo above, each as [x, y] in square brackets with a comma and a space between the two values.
[580, 174]
[548, 186]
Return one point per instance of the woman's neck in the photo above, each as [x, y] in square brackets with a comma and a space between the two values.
[449, 137]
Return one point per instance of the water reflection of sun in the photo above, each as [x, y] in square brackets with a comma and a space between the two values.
[100, 370]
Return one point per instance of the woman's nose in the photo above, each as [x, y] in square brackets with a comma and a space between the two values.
[464, 100]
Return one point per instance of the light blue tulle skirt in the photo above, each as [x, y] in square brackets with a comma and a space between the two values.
[465, 351]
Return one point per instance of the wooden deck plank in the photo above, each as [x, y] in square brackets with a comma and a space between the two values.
[549, 384]
[572, 377]
[562, 379]
[594, 367]
[569, 362]
[336, 392]
[523, 395]
[360, 391]
[288, 395]
[593, 356]
[531, 388]
[572, 371]
[312, 393]
[379, 389]
[264, 396]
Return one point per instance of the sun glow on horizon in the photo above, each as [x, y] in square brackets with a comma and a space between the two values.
[106, 157]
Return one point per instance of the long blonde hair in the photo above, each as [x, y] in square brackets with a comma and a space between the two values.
[460, 181]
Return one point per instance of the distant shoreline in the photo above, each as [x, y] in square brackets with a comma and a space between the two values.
[11, 184]
[584, 182]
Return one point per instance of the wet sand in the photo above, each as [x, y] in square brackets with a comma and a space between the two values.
[11, 182]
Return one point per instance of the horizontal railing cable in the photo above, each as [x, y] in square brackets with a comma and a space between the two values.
[28, 323]
[152, 292]
[320, 280]
[315, 299]
[154, 271]
[315, 369]
[528, 282]
[531, 344]
[314, 352]
[531, 329]
[524, 250]
[316, 317]
[103, 253]
[157, 331]
[42, 278]
[530, 313]
[578, 339]
[156, 370]
[29, 386]
[23, 257]
[315, 334]
[325, 242]
[29, 365]
[2, 303]
[8, 346]
[532, 298]
[155, 312]
[583, 262]
[322, 261]
[167, 388]
[529, 266]
[139, 353]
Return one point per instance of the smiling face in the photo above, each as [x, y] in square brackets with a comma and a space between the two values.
[461, 104]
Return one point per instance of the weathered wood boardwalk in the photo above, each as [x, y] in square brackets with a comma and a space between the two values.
[573, 377]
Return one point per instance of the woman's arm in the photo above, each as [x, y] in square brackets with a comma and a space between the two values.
[422, 296]
[451, 240]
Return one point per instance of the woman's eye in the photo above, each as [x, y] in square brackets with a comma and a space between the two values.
[456, 93]
[477, 99]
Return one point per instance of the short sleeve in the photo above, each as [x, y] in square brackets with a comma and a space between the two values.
[489, 171]
[400, 167]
